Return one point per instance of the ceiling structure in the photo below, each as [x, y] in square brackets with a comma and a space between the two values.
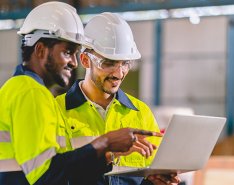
[18, 9]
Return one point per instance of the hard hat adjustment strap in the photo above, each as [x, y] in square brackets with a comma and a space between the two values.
[32, 38]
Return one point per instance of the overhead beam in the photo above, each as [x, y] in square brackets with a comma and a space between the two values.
[128, 6]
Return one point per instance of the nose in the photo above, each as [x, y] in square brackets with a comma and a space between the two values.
[119, 72]
[73, 62]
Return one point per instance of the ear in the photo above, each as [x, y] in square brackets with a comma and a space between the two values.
[85, 60]
[40, 50]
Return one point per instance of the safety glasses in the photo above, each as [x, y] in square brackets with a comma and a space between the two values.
[109, 65]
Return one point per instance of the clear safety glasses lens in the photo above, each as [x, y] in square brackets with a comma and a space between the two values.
[109, 65]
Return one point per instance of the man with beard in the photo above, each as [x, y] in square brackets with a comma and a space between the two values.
[35, 146]
[100, 105]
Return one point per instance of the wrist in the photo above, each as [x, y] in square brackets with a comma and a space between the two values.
[101, 145]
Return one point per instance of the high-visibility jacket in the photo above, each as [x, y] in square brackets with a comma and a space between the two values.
[32, 129]
[125, 111]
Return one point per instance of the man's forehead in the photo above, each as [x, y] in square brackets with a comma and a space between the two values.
[71, 45]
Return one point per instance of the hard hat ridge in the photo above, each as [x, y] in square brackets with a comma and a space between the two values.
[112, 18]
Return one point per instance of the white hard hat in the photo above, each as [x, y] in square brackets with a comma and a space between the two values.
[52, 20]
[110, 36]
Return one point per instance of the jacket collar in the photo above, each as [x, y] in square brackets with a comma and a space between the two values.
[75, 98]
[22, 70]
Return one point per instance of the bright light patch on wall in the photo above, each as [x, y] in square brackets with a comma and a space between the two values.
[134, 16]
[194, 19]
[7, 24]
[145, 15]
[194, 15]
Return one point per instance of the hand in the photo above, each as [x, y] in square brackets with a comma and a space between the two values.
[141, 145]
[123, 139]
[172, 179]
[119, 140]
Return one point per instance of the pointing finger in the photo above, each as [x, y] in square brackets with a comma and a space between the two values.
[145, 132]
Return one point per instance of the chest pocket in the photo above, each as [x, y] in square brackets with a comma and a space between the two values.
[79, 129]
[81, 133]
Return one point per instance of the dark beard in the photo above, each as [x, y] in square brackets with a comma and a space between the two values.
[55, 77]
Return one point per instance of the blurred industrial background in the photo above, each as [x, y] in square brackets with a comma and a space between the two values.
[187, 49]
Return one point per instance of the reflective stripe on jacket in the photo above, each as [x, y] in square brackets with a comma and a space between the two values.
[125, 111]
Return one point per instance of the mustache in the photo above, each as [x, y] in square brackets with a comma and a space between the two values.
[68, 68]
[112, 78]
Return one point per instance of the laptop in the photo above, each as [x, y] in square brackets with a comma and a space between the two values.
[186, 146]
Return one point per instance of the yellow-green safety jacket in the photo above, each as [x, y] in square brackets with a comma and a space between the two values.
[125, 111]
[32, 129]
